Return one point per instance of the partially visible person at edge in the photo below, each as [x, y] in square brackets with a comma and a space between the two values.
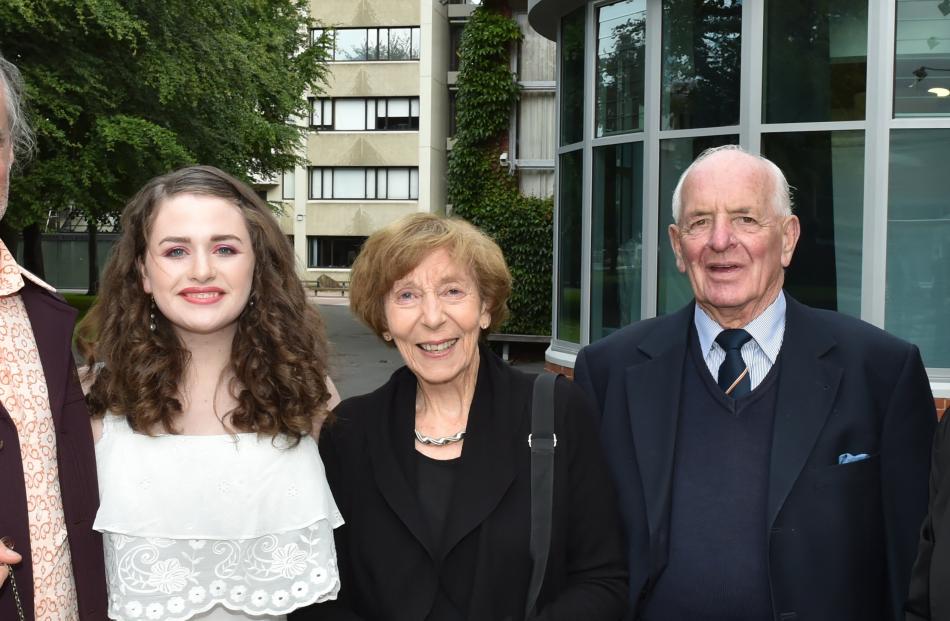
[47, 468]
[207, 369]
[929, 597]
[432, 470]
[773, 457]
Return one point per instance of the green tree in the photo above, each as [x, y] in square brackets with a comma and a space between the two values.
[122, 90]
[483, 191]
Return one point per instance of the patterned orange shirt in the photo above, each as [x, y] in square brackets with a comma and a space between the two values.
[25, 396]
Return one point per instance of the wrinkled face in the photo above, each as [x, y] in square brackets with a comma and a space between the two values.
[435, 316]
[6, 153]
[199, 264]
[730, 241]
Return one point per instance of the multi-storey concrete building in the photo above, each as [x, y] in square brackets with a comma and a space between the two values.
[380, 133]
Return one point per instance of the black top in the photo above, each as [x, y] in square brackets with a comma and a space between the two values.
[390, 570]
[435, 479]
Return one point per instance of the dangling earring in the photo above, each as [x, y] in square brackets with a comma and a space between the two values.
[151, 316]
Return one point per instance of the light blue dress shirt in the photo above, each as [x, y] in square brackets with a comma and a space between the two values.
[759, 354]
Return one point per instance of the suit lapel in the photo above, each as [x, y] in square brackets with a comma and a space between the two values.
[807, 389]
[489, 456]
[51, 321]
[654, 415]
[391, 453]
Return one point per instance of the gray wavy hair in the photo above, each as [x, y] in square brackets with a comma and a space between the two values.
[20, 132]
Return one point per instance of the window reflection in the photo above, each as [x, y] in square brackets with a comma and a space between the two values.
[569, 206]
[673, 290]
[701, 61]
[617, 234]
[826, 170]
[621, 33]
[815, 60]
[922, 62]
[572, 77]
[918, 243]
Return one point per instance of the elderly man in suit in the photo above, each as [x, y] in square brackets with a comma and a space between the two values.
[771, 458]
[48, 489]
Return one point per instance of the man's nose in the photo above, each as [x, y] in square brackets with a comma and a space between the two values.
[721, 236]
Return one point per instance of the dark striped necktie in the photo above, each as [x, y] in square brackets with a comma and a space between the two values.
[733, 372]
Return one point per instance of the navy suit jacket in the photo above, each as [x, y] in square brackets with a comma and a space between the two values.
[52, 321]
[841, 538]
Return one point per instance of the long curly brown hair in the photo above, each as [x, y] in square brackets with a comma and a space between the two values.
[279, 352]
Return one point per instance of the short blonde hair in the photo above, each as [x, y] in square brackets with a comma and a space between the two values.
[391, 253]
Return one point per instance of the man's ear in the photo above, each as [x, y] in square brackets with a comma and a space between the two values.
[674, 232]
[791, 231]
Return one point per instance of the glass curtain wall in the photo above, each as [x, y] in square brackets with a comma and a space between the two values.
[858, 120]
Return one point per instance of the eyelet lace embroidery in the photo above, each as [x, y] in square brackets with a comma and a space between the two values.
[175, 579]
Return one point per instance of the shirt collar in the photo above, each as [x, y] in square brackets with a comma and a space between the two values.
[768, 329]
[12, 275]
[11, 280]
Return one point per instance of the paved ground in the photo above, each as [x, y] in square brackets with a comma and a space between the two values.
[360, 362]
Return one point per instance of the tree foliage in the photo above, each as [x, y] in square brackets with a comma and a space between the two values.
[483, 191]
[122, 90]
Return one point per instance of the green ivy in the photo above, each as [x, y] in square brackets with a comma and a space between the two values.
[483, 191]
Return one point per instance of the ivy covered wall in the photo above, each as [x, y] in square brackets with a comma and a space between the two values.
[483, 191]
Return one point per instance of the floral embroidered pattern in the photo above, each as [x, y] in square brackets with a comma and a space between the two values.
[174, 579]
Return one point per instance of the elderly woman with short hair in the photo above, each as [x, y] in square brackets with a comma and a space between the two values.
[432, 470]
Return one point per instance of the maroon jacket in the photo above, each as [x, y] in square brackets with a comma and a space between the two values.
[52, 320]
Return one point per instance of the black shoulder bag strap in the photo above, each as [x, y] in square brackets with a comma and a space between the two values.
[542, 441]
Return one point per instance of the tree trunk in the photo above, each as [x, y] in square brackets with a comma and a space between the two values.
[33, 250]
[10, 236]
[93, 247]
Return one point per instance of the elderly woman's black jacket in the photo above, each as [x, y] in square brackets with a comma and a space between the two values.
[929, 596]
[390, 568]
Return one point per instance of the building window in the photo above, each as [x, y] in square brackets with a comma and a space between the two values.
[826, 170]
[922, 60]
[357, 183]
[572, 77]
[357, 114]
[373, 44]
[815, 60]
[918, 243]
[621, 34]
[325, 251]
[321, 113]
[616, 237]
[455, 43]
[701, 45]
[569, 210]
[287, 185]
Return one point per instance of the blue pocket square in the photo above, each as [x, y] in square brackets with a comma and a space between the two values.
[848, 458]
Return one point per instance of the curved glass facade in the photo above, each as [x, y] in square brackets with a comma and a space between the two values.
[851, 98]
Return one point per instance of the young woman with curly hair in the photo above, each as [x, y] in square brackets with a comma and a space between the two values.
[208, 385]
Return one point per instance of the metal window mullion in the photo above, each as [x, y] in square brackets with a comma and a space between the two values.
[650, 216]
[587, 179]
[879, 103]
[751, 54]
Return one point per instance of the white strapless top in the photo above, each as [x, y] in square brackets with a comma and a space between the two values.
[192, 522]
